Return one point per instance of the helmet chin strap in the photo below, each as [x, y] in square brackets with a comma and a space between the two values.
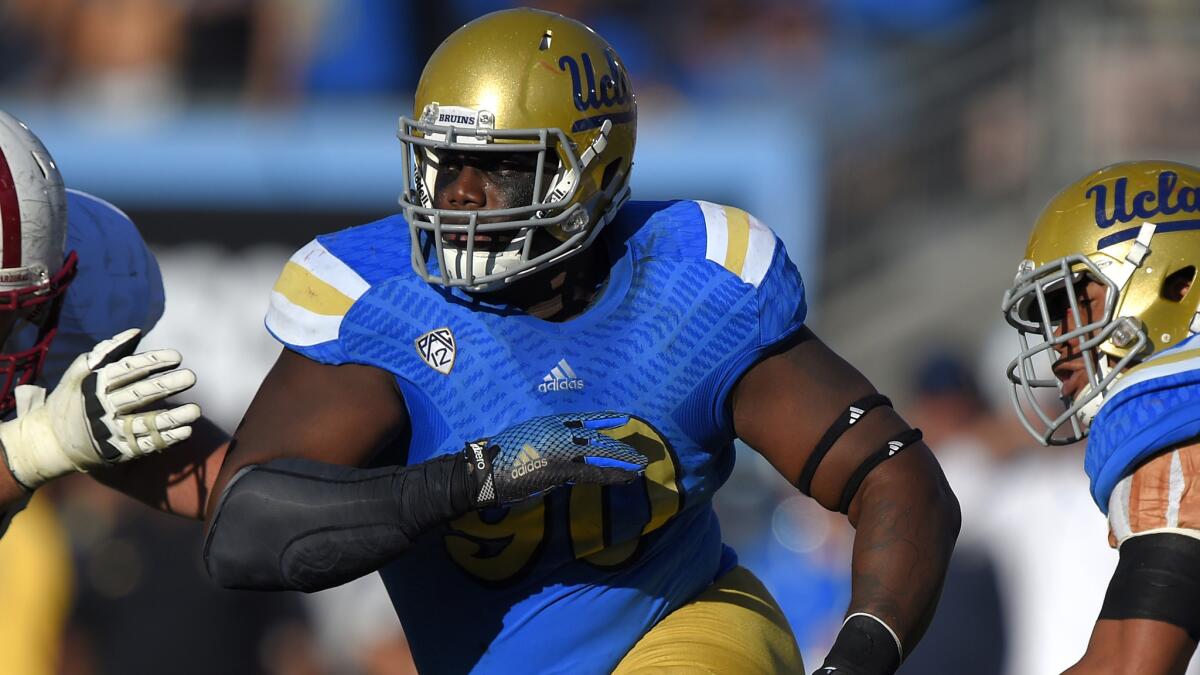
[1092, 408]
[1120, 279]
[483, 262]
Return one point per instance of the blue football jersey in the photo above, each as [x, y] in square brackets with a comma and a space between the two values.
[567, 582]
[1154, 406]
[117, 285]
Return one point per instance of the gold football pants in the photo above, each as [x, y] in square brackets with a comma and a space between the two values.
[734, 627]
[35, 590]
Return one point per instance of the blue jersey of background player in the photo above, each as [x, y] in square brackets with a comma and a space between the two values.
[569, 337]
[118, 284]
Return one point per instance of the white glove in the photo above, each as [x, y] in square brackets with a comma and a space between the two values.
[96, 415]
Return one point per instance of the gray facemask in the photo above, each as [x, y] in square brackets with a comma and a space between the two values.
[551, 206]
[1027, 309]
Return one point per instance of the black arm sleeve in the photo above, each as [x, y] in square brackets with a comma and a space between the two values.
[295, 524]
[1157, 578]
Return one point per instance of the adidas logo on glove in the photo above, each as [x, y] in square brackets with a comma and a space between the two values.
[527, 462]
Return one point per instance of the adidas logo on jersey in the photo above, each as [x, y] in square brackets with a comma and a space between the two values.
[894, 447]
[561, 378]
[528, 461]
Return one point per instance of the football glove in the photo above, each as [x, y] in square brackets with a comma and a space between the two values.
[97, 414]
[540, 454]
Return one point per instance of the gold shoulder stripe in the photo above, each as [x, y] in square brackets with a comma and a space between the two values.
[304, 289]
[738, 222]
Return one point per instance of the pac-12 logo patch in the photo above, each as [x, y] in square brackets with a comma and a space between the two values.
[437, 349]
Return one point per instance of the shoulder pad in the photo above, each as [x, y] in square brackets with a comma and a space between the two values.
[118, 284]
[1182, 358]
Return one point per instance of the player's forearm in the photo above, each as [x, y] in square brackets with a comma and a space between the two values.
[300, 525]
[11, 492]
[178, 480]
[907, 520]
[1135, 645]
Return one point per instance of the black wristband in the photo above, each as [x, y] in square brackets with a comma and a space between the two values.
[479, 469]
[890, 449]
[853, 413]
[1157, 578]
[864, 646]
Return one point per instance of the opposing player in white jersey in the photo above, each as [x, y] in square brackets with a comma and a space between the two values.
[73, 272]
[1106, 299]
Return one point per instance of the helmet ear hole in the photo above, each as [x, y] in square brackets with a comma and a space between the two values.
[610, 172]
[1177, 284]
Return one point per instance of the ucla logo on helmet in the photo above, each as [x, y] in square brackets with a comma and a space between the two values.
[611, 89]
[1146, 204]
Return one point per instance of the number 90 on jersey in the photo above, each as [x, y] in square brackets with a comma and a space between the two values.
[605, 525]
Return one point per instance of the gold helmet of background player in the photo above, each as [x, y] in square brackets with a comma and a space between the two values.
[1133, 227]
[520, 80]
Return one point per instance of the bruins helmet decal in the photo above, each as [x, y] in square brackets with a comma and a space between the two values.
[1134, 228]
[518, 81]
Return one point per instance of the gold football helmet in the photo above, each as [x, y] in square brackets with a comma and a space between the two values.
[518, 81]
[1133, 227]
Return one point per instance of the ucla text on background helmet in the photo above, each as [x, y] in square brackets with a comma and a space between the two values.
[34, 273]
[527, 81]
[1134, 228]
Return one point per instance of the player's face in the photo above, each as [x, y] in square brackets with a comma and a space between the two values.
[485, 180]
[11, 318]
[1068, 366]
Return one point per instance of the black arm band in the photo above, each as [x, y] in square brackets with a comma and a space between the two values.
[864, 646]
[890, 449]
[833, 433]
[294, 524]
[1157, 578]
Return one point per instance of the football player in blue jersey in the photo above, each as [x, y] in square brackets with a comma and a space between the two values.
[1107, 310]
[74, 271]
[524, 326]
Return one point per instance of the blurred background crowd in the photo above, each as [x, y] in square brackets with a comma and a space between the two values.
[901, 150]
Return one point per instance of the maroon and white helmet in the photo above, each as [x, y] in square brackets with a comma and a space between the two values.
[34, 267]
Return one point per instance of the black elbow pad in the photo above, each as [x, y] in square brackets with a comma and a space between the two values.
[301, 525]
[276, 529]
